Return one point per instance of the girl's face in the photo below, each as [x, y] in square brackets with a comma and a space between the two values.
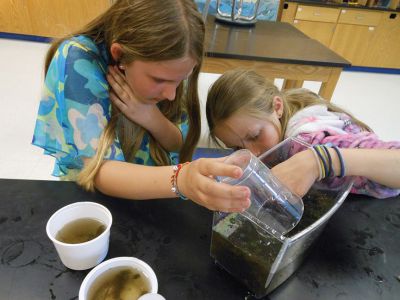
[242, 130]
[153, 82]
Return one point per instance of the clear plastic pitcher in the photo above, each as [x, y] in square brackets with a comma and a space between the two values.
[273, 206]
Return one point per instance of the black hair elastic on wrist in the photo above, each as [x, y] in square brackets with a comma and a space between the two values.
[330, 168]
[341, 160]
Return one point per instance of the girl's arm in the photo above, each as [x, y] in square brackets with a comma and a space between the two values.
[164, 131]
[381, 166]
[131, 181]
[357, 140]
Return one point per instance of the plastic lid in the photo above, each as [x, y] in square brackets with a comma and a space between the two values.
[151, 296]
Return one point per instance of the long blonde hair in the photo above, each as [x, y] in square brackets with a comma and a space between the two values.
[147, 30]
[251, 93]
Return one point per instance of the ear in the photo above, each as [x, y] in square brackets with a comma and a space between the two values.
[278, 106]
[116, 51]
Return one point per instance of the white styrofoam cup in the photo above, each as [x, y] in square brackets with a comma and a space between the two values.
[85, 255]
[132, 262]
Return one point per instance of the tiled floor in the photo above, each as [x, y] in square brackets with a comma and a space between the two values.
[373, 98]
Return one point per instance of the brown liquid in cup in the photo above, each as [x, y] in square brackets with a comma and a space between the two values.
[120, 283]
[80, 231]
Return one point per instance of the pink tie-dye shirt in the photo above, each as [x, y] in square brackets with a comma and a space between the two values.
[316, 125]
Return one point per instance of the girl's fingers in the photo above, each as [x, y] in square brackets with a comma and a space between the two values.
[236, 206]
[216, 167]
[222, 196]
[119, 77]
[233, 205]
[229, 205]
[216, 195]
[111, 77]
[220, 159]
[119, 84]
[114, 85]
[118, 103]
[223, 190]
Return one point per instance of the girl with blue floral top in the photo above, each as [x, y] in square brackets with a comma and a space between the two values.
[120, 106]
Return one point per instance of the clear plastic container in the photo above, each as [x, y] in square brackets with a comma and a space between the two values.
[260, 260]
[242, 12]
[273, 207]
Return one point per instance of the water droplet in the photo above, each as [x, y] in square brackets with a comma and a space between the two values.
[374, 251]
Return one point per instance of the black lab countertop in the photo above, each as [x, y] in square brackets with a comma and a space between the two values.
[356, 257]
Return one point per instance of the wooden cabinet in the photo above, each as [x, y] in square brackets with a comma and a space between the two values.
[319, 31]
[385, 51]
[318, 22]
[14, 16]
[354, 35]
[48, 17]
[317, 13]
[364, 37]
[289, 10]
[353, 43]
[360, 17]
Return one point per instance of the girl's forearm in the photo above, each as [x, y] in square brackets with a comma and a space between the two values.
[165, 132]
[379, 165]
[131, 181]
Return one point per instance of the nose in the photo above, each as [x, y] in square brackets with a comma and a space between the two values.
[169, 92]
[256, 152]
[253, 149]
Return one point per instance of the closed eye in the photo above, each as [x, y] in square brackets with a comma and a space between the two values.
[234, 148]
[254, 137]
[159, 80]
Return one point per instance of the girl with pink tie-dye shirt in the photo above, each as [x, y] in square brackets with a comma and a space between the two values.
[244, 110]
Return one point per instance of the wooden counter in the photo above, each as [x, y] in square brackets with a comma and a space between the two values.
[356, 257]
[275, 50]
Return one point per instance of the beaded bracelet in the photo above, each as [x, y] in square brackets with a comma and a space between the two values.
[174, 180]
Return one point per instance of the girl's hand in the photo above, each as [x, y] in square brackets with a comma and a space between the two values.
[196, 181]
[299, 172]
[127, 102]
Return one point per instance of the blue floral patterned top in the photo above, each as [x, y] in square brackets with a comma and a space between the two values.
[75, 108]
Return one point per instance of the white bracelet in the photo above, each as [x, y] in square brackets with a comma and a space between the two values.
[318, 162]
